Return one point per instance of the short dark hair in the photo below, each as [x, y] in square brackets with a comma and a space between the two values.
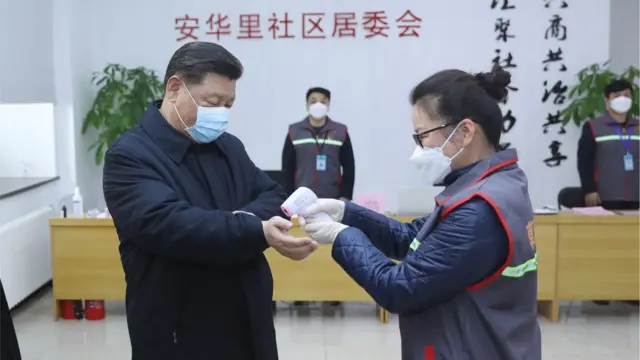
[192, 61]
[320, 90]
[454, 95]
[617, 86]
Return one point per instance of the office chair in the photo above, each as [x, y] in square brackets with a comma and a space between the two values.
[571, 197]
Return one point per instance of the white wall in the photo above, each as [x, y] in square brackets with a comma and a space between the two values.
[370, 87]
[625, 34]
[28, 67]
[27, 148]
[66, 130]
[34, 55]
[26, 51]
[77, 53]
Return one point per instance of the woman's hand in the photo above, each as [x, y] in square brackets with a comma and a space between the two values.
[324, 232]
[332, 207]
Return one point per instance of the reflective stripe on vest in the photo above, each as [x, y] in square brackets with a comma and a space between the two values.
[616, 138]
[318, 141]
[509, 271]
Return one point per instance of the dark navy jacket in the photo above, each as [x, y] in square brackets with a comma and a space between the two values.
[198, 284]
[428, 277]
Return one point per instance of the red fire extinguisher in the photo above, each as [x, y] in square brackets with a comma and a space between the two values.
[94, 309]
[71, 309]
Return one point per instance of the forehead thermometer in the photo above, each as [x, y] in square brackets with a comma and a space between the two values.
[301, 199]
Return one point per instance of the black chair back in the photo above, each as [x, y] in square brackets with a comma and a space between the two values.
[571, 197]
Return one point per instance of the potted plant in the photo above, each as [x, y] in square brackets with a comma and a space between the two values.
[123, 96]
[586, 98]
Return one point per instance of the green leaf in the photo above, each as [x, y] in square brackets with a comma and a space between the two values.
[123, 95]
[586, 97]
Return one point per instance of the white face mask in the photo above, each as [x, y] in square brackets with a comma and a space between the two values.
[432, 163]
[318, 110]
[621, 104]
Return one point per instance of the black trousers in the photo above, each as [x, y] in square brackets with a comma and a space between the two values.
[9, 349]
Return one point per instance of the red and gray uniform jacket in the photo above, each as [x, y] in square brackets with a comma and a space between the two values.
[613, 143]
[311, 143]
[493, 318]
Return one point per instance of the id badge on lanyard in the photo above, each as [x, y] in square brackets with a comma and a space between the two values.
[321, 159]
[627, 159]
[321, 162]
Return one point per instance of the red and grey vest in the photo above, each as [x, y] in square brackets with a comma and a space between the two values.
[309, 143]
[495, 319]
[613, 143]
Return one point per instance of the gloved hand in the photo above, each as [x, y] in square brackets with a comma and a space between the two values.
[324, 232]
[334, 208]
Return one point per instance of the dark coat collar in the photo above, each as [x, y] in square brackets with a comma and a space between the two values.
[169, 139]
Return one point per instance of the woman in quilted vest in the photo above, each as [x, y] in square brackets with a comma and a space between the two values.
[466, 286]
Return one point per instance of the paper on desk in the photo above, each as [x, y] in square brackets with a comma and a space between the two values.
[547, 210]
[592, 210]
[372, 201]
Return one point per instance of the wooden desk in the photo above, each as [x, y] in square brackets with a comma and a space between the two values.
[597, 256]
[85, 261]
[579, 258]
[317, 278]
[86, 265]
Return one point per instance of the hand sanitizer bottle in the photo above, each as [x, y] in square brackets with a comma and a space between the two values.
[78, 206]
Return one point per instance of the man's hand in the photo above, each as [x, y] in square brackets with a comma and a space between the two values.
[324, 232]
[334, 208]
[592, 199]
[275, 231]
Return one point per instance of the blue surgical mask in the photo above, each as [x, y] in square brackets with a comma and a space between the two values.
[211, 122]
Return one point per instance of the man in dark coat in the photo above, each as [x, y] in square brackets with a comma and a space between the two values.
[9, 348]
[194, 215]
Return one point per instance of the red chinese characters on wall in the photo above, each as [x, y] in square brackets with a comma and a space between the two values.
[409, 24]
[344, 24]
[312, 26]
[375, 24]
[218, 25]
[186, 27]
[249, 27]
[279, 27]
[308, 25]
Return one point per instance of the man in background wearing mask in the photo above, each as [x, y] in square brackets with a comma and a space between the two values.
[317, 152]
[194, 215]
[608, 152]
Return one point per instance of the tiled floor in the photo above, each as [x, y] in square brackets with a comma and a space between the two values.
[316, 333]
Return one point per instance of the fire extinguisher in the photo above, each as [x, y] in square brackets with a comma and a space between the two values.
[94, 309]
[72, 309]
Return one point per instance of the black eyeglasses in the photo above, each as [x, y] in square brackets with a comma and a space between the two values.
[417, 138]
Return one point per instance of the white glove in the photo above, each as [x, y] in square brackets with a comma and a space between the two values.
[334, 208]
[324, 232]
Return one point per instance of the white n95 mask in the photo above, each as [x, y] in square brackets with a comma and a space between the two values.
[318, 110]
[432, 163]
[621, 104]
